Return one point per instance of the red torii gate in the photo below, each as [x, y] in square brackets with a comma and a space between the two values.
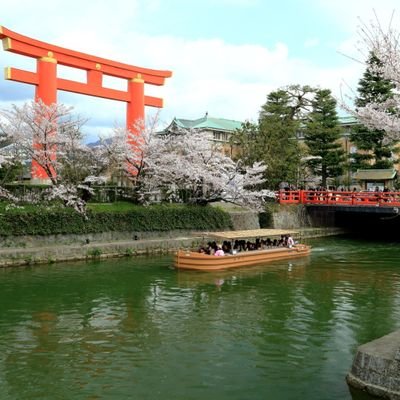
[47, 83]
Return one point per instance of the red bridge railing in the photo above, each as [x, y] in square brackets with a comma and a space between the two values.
[389, 199]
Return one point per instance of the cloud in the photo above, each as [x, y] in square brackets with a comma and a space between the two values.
[240, 3]
[312, 42]
[347, 14]
[227, 80]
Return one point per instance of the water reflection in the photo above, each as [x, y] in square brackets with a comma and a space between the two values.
[137, 328]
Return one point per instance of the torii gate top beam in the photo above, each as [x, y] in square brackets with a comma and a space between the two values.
[20, 44]
[47, 82]
[94, 66]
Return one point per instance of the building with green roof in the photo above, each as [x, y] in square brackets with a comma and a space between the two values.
[217, 129]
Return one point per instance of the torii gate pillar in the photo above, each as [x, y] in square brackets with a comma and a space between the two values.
[46, 91]
[135, 105]
[47, 83]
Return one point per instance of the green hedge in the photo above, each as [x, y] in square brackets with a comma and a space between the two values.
[42, 221]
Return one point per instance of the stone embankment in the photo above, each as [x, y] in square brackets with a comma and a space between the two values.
[35, 249]
[22, 250]
[376, 367]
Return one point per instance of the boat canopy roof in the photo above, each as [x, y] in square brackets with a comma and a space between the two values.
[253, 233]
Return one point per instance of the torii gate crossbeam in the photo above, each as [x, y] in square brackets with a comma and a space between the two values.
[47, 83]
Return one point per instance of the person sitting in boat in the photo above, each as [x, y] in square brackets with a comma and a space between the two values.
[250, 246]
[290, 241]
[211, 248]
[227, 247]
[219, 251]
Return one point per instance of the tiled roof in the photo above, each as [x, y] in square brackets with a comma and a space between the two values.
[347, 120]
[375, 174]
[207, 122]
[228, 125]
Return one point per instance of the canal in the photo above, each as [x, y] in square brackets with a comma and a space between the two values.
[134, 328]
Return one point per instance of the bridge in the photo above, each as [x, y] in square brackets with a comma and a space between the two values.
[339, 198]
[368, 213]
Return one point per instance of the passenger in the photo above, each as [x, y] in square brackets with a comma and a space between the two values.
[212, 248]
[209, 248]
[227, 247]
[219, 251]
[290, 241]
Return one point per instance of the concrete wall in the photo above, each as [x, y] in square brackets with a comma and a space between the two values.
[376, 367]
[289, 217]
[20, 250]
[244, 220]
[94, 250]
[300, 216]
[29, 241]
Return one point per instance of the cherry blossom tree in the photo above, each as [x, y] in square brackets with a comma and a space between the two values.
[382, 114]
[186, 165]
[50, 137]
[124, 150]
[43, 134]
[182, 167]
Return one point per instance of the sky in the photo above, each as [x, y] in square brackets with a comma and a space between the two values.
[225, 55]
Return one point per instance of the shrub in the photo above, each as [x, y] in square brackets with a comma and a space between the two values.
[57, 220]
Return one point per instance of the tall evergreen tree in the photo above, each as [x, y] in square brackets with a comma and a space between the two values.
[321, 137]
[273, 139]
[372, 88]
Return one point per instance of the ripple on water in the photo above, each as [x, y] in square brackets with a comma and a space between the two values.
[135, 328]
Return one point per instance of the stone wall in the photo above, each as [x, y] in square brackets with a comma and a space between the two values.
[243, 220]
[30, 241]
[19, 250]
[376, 367]
[289, 217]
[300, 216]
[94, 250]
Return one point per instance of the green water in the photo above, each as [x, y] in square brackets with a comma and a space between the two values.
[135, 328]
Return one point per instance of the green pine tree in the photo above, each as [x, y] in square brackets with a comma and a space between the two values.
[322, 133]
[374, 153]
[273, 139]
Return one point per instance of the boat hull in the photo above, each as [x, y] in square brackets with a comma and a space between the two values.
[203, 262]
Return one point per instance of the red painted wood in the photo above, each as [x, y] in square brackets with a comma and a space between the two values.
[389, 199]
[47, 83]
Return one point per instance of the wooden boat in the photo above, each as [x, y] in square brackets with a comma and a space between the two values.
[193, 260]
